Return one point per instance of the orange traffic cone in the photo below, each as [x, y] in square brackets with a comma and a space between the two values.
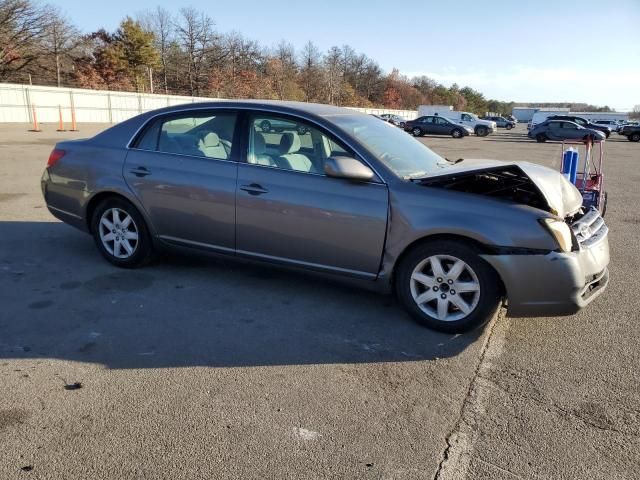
[73, 119]
[60, 122]
[36, 127]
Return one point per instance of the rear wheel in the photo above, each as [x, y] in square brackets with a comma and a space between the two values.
[121, 233]
[482, 131]
[456, 133]
[416, 131]
[446, 286]
[541, 138]
[634, 137]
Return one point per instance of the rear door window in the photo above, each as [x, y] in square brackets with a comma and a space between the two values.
[208, 135]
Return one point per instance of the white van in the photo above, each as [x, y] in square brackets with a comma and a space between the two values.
[482, 128]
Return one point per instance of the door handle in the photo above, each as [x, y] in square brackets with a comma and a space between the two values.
[254, 189]
[140, 171]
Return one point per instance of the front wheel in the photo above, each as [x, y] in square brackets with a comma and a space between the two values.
[540, 138]
[416, 131]
[121, 233]
[634, 137]
[446, 286]
[509, 127]
[482, 131]
[456, 133]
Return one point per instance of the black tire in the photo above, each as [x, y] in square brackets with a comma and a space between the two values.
[509, 126]
[607, 134]
[541, 138]
[490, 287]
[143, 251]
[416, 131]
[457, 133]
[482, 131]
[634, 137]
[265, 126]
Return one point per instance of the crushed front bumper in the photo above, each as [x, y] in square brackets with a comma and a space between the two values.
[556, 283]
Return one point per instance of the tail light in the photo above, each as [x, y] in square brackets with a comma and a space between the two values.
[55, 156]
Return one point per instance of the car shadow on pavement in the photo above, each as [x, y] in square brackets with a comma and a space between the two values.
[61, 300]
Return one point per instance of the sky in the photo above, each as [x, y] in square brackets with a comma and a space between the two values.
[510, 50]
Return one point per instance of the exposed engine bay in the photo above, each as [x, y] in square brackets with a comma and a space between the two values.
[508, 182]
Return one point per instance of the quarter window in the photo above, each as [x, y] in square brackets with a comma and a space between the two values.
[202, 135]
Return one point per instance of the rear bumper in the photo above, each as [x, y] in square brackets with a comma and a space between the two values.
[554, 284]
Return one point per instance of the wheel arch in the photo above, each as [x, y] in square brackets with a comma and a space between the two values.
[100, 196]
[479, 246]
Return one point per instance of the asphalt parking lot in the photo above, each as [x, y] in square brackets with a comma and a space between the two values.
[204, 368]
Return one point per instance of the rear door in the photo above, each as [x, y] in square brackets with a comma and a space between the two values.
[554, 130]
[289, 211]
[183, 168]
[442, 126]
[429, 125]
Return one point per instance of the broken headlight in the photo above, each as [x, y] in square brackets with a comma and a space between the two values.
[560, 231]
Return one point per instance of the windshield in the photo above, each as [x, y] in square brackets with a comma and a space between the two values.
[401, 153]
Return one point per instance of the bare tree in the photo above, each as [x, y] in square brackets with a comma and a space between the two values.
[310, 72]
[199, 41]
[23, 25]
[61, 39]
[161, 23]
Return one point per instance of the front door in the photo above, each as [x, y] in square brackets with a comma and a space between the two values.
[183, 169]
[288, 210]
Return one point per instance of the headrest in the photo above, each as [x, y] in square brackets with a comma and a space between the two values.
[211, 139]
[289, 143]
[259, 143]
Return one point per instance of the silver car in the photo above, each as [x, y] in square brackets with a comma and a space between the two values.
[349, 197]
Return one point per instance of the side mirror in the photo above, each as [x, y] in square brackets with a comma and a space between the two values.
[347, 167]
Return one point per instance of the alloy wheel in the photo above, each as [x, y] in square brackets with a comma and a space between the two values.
[118, 233]
[445, 288]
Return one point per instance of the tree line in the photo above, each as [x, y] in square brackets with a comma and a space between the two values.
[183, 53]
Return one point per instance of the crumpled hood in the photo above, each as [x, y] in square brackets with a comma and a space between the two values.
[561, 195]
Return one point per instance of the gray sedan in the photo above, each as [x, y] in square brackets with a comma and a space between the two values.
[339, 193]
[563, 130]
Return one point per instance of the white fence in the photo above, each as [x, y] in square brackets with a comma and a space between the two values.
[19, 102]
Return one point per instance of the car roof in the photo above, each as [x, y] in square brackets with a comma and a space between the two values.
[123, 132]
[318, 109]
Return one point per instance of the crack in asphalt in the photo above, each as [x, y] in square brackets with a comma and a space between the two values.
[453, 438]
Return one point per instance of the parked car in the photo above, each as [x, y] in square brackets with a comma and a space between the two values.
[512, 118]
[501, 122]
[563, 130]
[280, 126]
[396, 120]
[436, 125]
[583, 122]
[632, 132]
[612, 125]
[351, 197]
[480, 127]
